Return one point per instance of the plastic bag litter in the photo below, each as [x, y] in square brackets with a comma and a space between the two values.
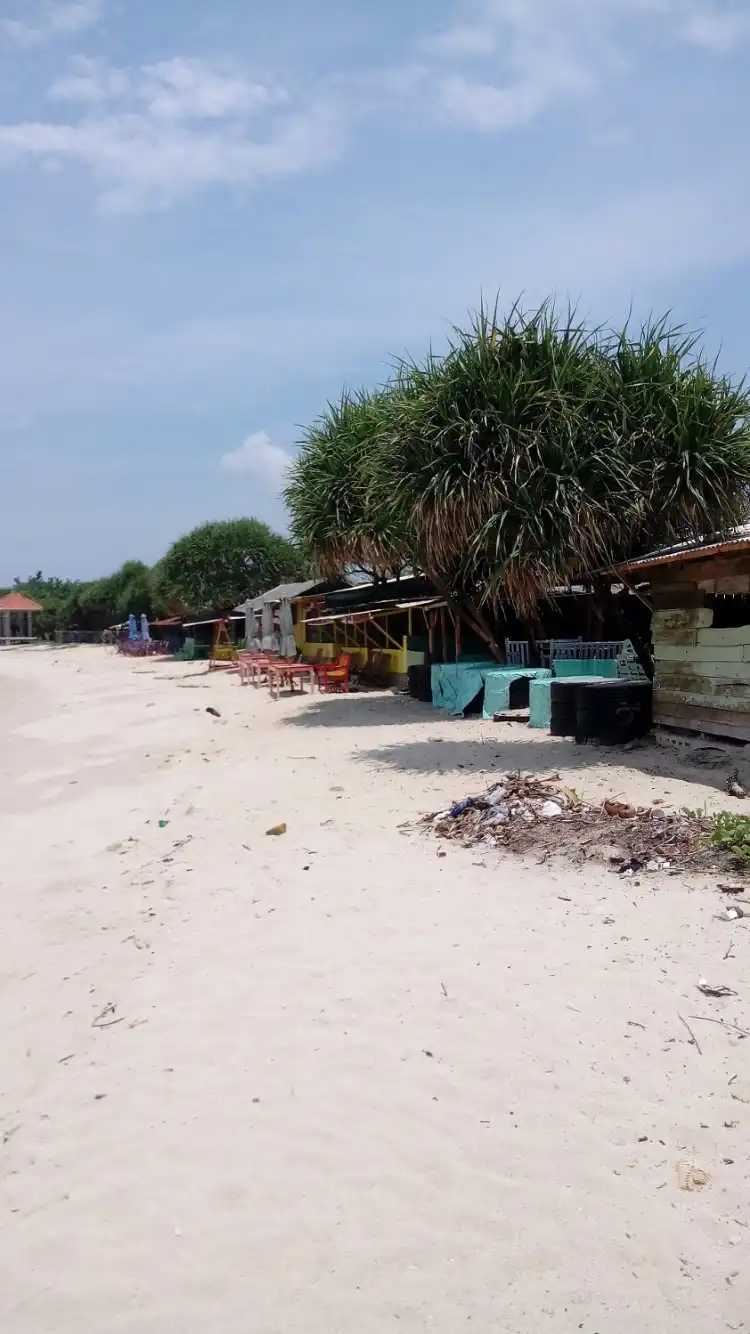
[497, 797]
[550, 810]
[498, 815]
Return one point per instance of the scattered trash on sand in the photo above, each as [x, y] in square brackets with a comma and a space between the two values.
[730, 914]
[526, 813]
[214, 712]
[163, 824]
[549, 810]
[276, 831]
[734, 786]
[709, 989]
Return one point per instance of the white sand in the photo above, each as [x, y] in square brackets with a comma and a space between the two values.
[355, 1087]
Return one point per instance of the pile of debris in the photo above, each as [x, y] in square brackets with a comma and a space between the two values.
[525, 813]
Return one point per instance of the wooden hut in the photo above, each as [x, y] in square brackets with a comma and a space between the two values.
[700, 633]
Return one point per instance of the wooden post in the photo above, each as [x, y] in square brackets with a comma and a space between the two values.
[458, 635]
[444, 633]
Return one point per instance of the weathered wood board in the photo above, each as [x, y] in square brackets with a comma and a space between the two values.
[728, 704]
[700, 655]
[691, 681]
[685, 618]
[731, 638]
[717, 722]
[697, 571]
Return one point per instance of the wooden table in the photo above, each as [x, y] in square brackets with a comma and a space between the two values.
[278, 672]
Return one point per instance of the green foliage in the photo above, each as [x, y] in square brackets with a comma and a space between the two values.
[110, 601]
[341, 514]
[219, 565]
[214, 568]
[538, 450]
[533, 452]
[733, 832]
[73, 605]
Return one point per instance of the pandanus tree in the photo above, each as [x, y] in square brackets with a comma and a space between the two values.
[343, 510]
[538, 450]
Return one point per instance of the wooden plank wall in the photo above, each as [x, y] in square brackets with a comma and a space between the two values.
[702, 675]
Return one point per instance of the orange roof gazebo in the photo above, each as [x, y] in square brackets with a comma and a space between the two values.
[17, 614]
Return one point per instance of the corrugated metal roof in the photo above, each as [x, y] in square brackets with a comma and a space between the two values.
[714, 545]
[281, 593]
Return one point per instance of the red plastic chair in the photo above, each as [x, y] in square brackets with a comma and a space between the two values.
[334, 679]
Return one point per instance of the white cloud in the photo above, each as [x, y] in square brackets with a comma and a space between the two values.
[156, 134]
[503, 63]
[172, 90]
[260, 457]
[50, 19]
[719, 30]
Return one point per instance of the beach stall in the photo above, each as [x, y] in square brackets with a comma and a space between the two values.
[383, 627]
[206, 640]
[263, 616]
[700, 631]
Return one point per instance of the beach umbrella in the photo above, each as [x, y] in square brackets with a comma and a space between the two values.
[268, 641]
[286, 626]
[145, 632]
[132, 627]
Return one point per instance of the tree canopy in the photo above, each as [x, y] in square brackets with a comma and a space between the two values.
[218, 565]
[339, 515]
[69, 604]
[534, 451]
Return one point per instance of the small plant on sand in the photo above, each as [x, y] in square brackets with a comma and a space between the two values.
[733, 832]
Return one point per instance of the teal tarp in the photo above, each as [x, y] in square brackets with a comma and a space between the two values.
[498, 682]
[540, 703]
[456, 684]
[603, 667]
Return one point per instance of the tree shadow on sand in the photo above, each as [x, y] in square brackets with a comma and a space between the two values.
[503, 747]
[370, 709]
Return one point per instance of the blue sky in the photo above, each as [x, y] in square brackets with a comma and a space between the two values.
[214, 216]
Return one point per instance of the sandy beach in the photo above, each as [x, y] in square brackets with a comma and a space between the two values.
[332, 1082]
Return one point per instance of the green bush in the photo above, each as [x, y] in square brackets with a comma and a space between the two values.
[733, 832]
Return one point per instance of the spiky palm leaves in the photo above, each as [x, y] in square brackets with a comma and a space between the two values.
[337, 486]
[534, 451]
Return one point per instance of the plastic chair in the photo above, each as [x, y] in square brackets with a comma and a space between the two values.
[335, 679]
